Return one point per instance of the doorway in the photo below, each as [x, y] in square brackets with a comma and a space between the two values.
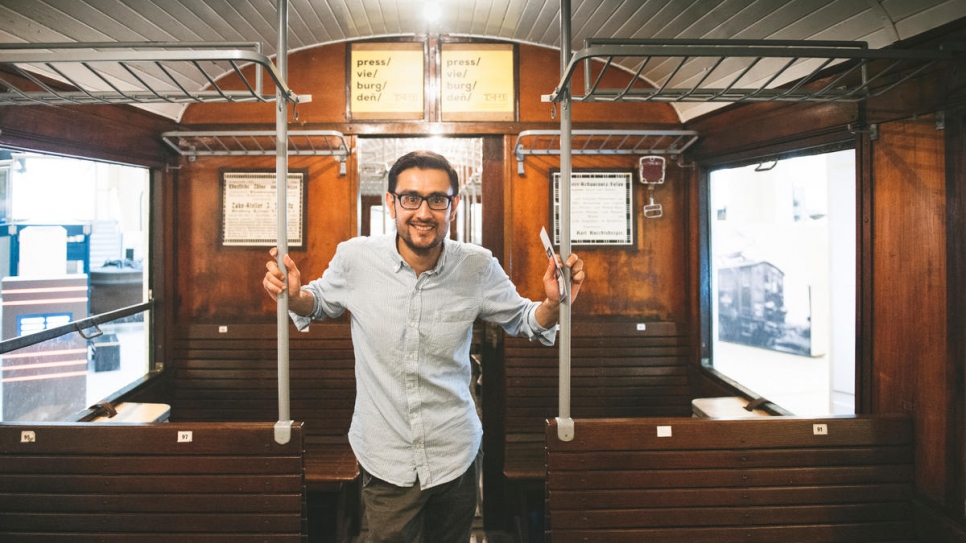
[377, 155]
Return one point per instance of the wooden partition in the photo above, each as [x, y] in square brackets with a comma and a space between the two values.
[229, 373]
[619, 368]
[163, 482]
[680, 480]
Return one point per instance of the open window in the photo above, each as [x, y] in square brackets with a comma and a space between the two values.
[782, 273]
[73, 262]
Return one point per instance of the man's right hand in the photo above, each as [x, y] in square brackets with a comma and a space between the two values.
[275, 283]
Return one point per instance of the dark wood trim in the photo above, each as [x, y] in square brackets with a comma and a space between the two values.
[122, 134]
[756, 131]
[864, 326]
[956, 306]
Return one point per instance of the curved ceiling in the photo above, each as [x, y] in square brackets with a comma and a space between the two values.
[880, 23]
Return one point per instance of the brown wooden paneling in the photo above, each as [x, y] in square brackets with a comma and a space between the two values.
[763, 479]
[617, 370]
[748, 132]
[648, 279]
[119, 482]
[113, 133]
[233, 376]
[217, 284]
[909, 282]
[653, 270]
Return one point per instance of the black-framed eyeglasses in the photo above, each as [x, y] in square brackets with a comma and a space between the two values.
[410, 200]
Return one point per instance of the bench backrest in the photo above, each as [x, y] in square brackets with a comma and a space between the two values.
[756, 480]
[162, 482]
[232, 375]
[618, 369]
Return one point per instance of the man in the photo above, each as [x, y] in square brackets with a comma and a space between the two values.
[413, 296]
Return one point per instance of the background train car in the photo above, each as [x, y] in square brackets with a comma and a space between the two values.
[880, 264]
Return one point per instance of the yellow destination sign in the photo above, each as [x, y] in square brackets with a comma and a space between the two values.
[386, 81]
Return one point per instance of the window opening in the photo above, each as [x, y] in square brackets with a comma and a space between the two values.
[73, 245]
[783, 280]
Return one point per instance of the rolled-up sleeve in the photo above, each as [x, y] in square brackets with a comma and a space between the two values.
[329, 293]
[502, 304]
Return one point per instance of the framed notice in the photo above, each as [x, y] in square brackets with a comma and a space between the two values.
[249, 204]
[601, 208]
[477, 82]
[386, 80]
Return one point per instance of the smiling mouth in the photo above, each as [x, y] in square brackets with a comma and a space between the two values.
[421, 227]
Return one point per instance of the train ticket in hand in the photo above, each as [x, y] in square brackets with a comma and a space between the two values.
[548, 248]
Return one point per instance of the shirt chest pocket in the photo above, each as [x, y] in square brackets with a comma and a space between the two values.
[452, 323]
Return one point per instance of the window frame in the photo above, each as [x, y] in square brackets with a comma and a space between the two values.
[777, 152]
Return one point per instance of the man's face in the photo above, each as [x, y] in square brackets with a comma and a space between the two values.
[422, 229]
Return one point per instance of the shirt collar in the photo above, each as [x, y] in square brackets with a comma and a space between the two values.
[397, 260]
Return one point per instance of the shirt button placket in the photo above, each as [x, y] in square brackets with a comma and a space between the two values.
[412, 382]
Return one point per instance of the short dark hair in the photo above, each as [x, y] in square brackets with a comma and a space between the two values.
[423, 160]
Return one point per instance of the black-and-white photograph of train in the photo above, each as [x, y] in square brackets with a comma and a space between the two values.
[752, 310]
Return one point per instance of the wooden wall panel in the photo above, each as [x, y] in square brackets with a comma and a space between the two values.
[121, 134]
[647, 280]
[218, 284]
[909, 289]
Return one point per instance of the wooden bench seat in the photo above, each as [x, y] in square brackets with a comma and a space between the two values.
[231, 374]
[767, 479]
[328, 465]
[160, 482]
[619, 368]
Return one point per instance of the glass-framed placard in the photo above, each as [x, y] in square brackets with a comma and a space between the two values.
[249, 203]
[386, 81]
[477, 82]
[601, 208]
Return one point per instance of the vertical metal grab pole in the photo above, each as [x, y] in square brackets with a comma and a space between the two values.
[565, 425]
[283, 426]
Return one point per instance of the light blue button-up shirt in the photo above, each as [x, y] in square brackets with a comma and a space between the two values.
[414, 417]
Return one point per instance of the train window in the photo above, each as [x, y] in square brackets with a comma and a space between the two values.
[73, 244]
[783, 280]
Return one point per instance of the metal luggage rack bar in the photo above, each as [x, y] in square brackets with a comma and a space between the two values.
[741, 70]
[136, 73]
[604, 142]
[258, 143]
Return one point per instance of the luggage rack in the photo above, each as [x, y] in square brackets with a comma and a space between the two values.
[740, 70]
[604, 142]
[136, 73]
[193, 144]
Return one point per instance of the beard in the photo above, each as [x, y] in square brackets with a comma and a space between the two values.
[422, 237]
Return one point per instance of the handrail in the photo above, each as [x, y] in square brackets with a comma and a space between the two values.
[78, 326]
[283, 426]
[566, 425]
